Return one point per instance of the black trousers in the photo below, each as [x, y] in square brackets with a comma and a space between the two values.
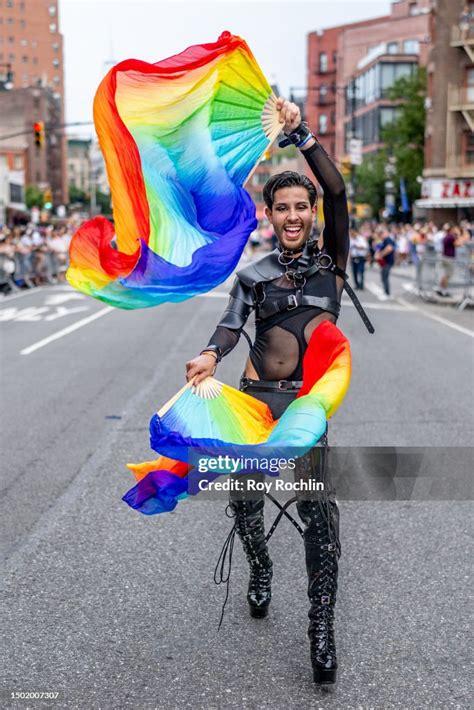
[312, 466]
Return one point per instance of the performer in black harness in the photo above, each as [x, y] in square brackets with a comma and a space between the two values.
[291, 290]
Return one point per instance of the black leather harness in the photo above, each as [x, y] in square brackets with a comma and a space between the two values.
[309, 263]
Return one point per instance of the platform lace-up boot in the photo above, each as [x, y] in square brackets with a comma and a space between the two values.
[320, 515]
[250, 529]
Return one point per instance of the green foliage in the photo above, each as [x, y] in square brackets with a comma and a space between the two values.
[103, 202]
[33, 197]
[370, 179]
[77, 196]
[403, 139]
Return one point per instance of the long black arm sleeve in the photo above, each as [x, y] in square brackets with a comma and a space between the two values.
[227, 334]
[336, 217]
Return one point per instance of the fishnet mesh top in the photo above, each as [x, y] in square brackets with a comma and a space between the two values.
[281, 339]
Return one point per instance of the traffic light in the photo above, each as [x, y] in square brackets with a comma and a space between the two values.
[47, 199]
[38, 129]
[346, 166]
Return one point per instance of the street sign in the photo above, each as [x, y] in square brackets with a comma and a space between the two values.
[355, 151]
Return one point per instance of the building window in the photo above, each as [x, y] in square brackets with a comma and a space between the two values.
[413, 9]
[52, 27]
[388, 115]
[24, 77]
[22, 7]
[392, 48]
[411, 46]
[18, 162]
[24, 59]
[468, 148]
[334, 58]
[11, 57]
[55, 46]
[35, 60]
[323, 94]
[323, 123]
[56, 63]
[333, 118]
[22, 24]
[52, 10]
[323, 62]
[24, 42]
[10, 20]
[57, 79]
[9, 3]
[11, 39]
[470, 85]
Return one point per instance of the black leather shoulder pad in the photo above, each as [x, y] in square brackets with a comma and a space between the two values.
[267, 268]
[241, 292]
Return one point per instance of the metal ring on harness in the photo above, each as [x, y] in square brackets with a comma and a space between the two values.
[319, 261]
[285, 263]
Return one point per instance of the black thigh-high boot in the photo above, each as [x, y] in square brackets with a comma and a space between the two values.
[250, 529]
[320, 516]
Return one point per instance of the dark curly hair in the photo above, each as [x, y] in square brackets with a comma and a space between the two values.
[288, 179]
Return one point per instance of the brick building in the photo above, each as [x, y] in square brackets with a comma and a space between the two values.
[367, 56]
[43, 167]
[31, 48]
[448, 185]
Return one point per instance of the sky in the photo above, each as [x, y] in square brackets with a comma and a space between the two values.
[97, 32]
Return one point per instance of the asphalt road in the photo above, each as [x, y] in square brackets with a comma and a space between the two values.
[110, 609]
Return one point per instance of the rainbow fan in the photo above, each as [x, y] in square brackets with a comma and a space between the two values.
[180, 138]
[215, 417]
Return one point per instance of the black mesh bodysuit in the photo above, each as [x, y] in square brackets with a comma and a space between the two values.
[281, 338]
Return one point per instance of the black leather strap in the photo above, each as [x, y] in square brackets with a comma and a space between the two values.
[294, 300]
[352, 295]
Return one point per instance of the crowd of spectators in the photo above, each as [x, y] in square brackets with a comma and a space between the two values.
[405, 244]
[33, 255]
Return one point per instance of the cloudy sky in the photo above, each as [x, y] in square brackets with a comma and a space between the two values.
[100, 31]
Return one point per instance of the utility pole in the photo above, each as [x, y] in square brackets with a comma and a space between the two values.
[353, 135]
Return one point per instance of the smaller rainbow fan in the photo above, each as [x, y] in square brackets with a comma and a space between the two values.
[215, 417]
[180, 138]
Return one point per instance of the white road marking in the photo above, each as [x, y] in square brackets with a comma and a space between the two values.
[213, 294]
[62, 311]
[56, 299]
[410, 287]
[65, 331]
[37, 313]
[439, 319]
[377, 291]
[33, 313]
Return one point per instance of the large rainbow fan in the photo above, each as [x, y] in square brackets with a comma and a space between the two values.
[214, 417]
[180, 138]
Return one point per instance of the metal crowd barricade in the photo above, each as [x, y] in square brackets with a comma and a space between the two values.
[460, 270]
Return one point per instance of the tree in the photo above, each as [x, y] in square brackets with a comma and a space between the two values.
[33, 197]
[403, 139]
[77, 196]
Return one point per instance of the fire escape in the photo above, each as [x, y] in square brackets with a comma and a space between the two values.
[461, 98]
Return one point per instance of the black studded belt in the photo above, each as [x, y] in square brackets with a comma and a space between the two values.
[271, 385]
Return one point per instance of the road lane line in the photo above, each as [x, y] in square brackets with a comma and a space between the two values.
[439, 319]
[65, 331]
[376, 290]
